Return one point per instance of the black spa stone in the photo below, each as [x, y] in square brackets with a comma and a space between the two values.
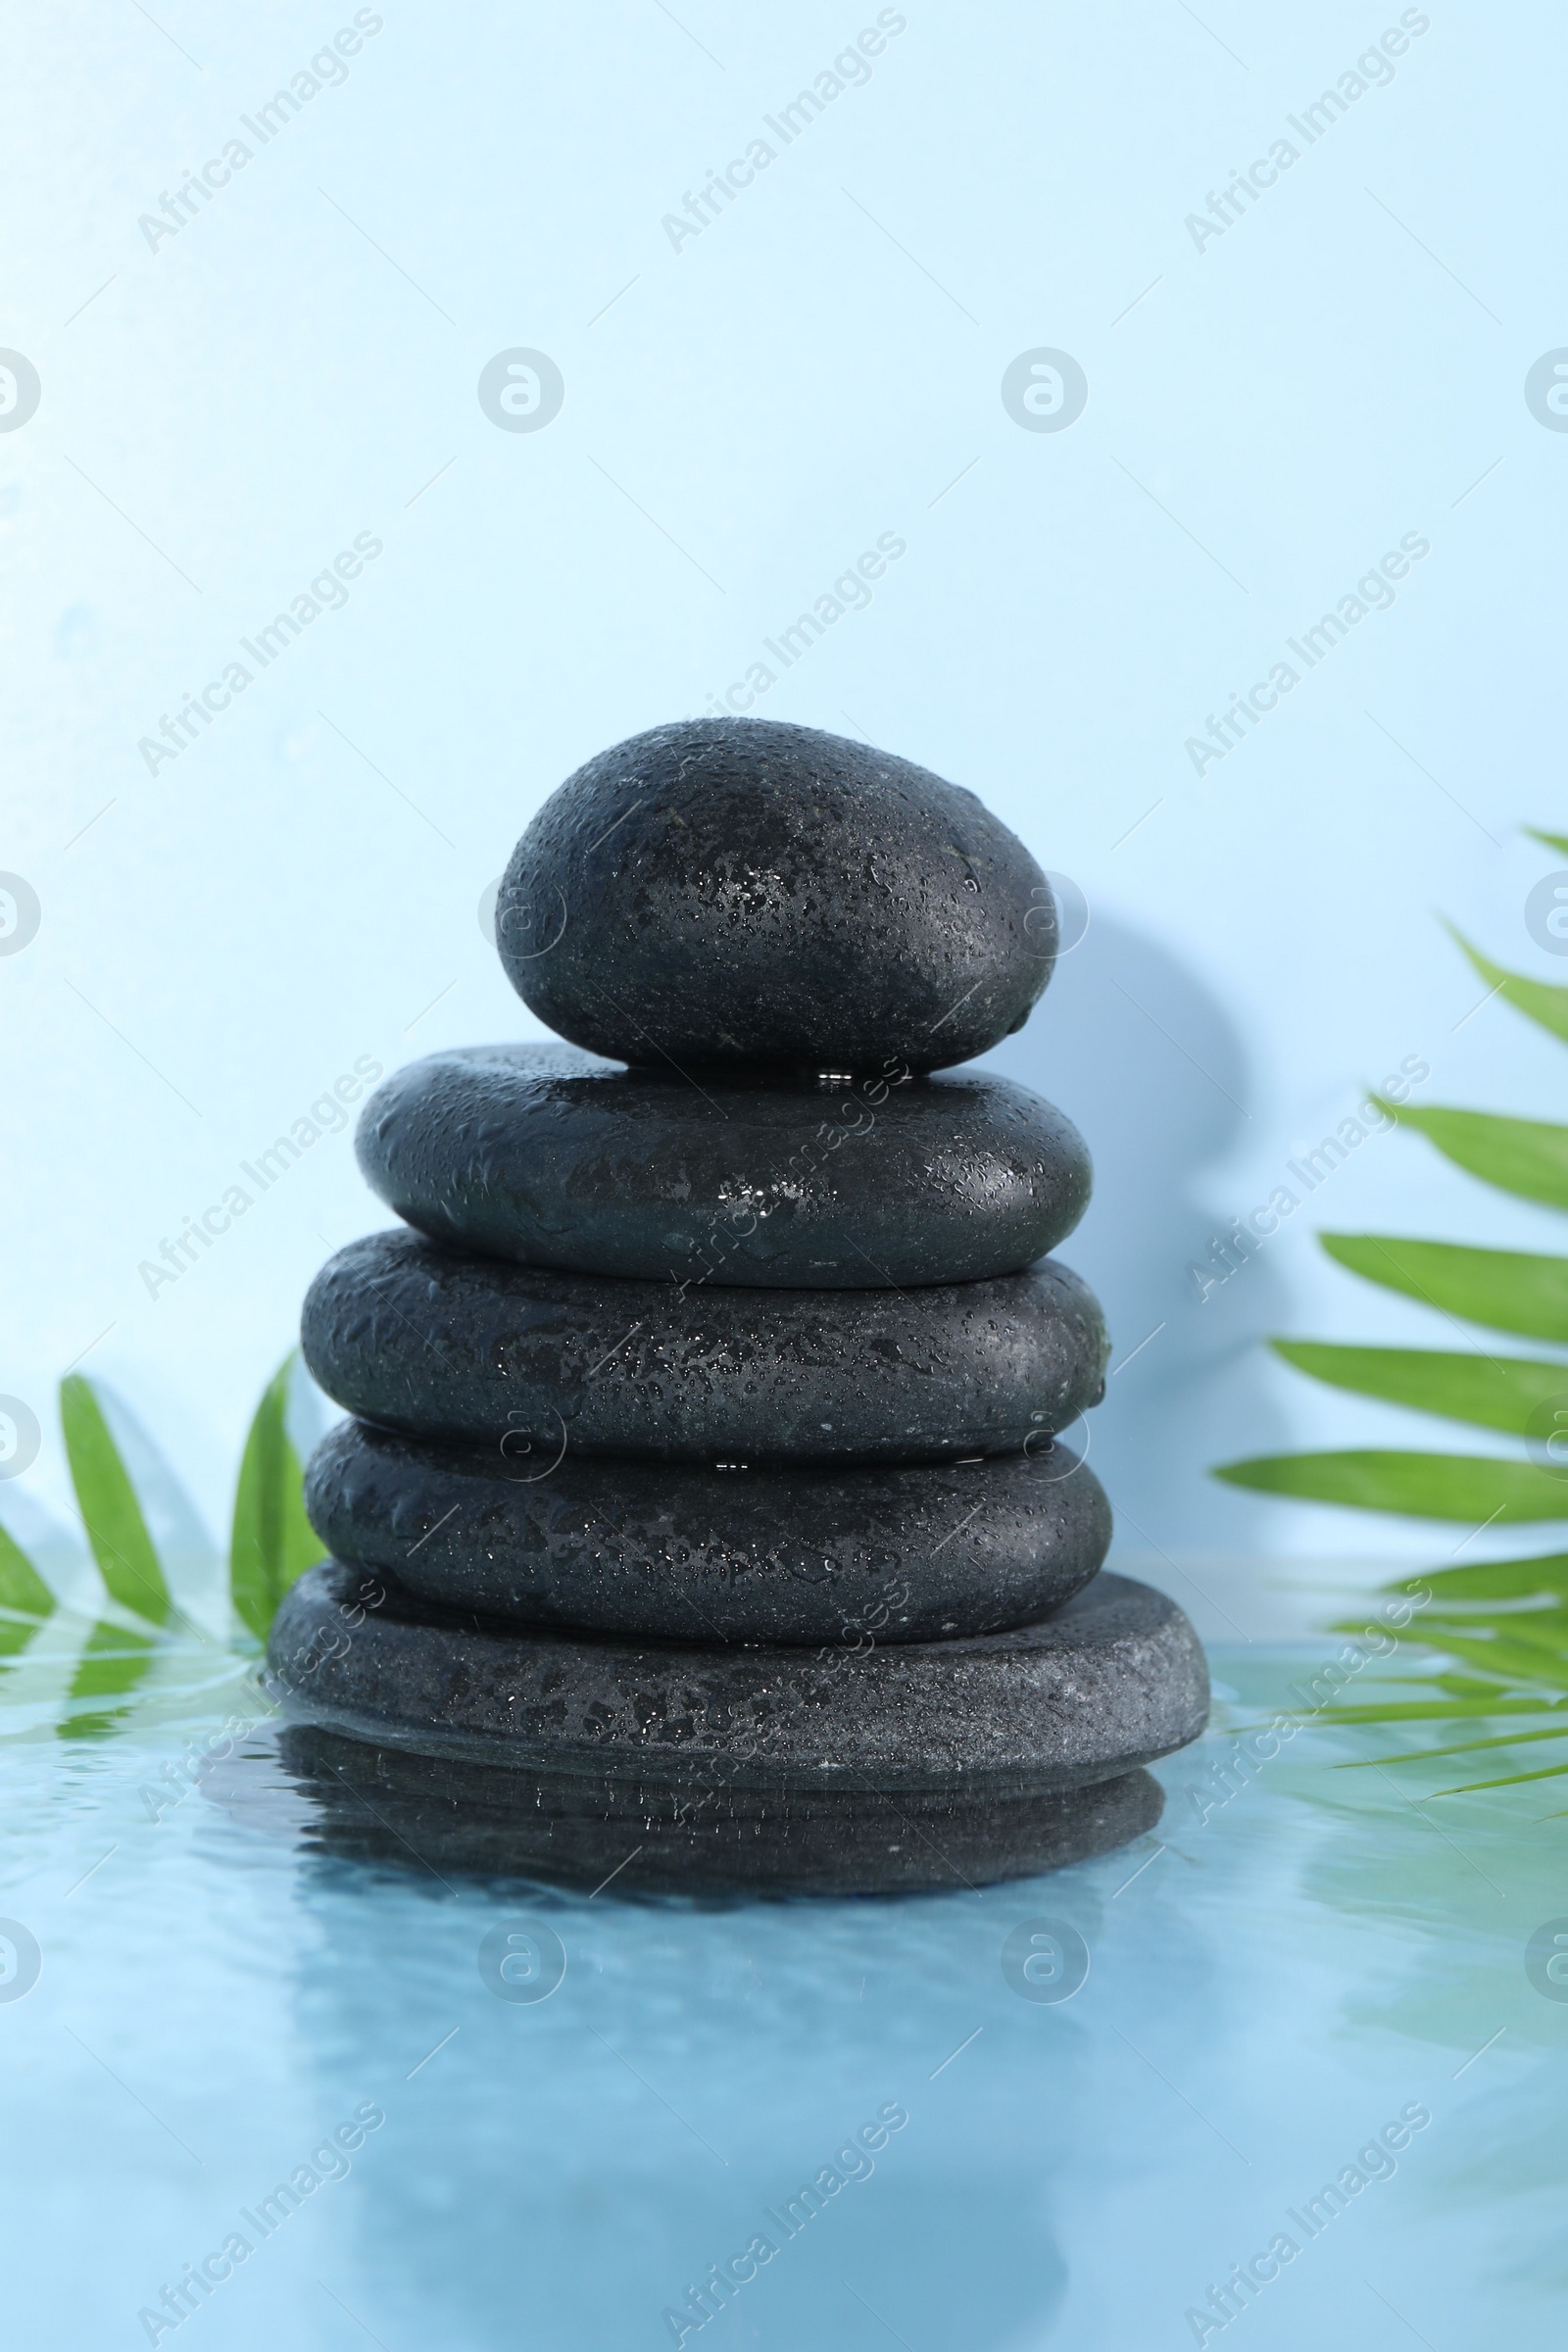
[737, 890]
[692, 1832]
[1111, 1681]
[547, 1155]
[475, 1351]
[844, 1555]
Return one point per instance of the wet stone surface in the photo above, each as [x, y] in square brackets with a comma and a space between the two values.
[740, 891]
[1113, 1680]
[702, 1479]
[855, 1555]
[421, 1339]
[552, 1158]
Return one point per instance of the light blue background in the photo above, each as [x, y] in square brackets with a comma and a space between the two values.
[821, 365]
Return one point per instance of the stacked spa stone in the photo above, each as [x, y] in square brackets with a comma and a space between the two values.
[705, 1407]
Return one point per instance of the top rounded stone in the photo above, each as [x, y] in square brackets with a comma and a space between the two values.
[739, 890]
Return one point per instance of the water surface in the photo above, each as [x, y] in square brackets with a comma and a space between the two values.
[1297, 1957]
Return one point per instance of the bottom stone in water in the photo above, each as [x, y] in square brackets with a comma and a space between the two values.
[1113, 1680]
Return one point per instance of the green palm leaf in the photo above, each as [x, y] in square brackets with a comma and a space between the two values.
[1508, 1290]
[1487, 1640]
[1510, 1660]
[1544, 1627]
[1515, 1393]
[1508, 1619]
[273, 1541]
[126, 1557]
[1538, 999]
[1554, 841]
[24, 1592]
[22, 1587]
[1510, 1779]
[1471, 1488]
[1460, 1747]
[1518, 1156]
[1505, 1619]
[1475, 1698]
[1502, 1580]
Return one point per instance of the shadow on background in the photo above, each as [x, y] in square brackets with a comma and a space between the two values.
[1148, 1064]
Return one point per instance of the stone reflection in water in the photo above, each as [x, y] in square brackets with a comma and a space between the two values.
[697, 1832]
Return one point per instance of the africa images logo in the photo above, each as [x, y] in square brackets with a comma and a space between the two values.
[521, 390]
[20, 390]
[1545, 390]
[1044, 390]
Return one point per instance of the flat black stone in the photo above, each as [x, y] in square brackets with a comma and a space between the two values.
[552, 1158]
[814, 1556]
[473, 1351]
[369, 1802]
[1111, 1681]
[740, 891]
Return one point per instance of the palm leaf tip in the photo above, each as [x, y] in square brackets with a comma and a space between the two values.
[1511, 1779]
[1541, 1001]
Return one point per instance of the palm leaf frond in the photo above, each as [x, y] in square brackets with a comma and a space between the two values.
[1507, 1619]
